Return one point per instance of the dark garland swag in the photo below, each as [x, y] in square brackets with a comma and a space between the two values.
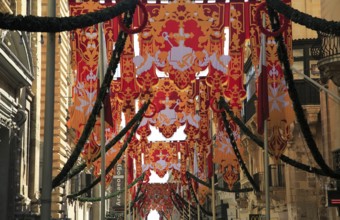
[195, 197]
[58, 24]
[97, 199]
[111, 165]
[190, 175]
[137, 197]
[140, 199]
[179, 204]
[111, 69]
[74, 171]
[283, 56]
[236, 151]
[193, 209]
[317, 24]
[260, 143]
[179, 208]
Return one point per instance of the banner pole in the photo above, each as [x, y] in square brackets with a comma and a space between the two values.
[125, 187]
[101, 68]
[213, 208]
[265, 133]
[266, 170]
[46, 192]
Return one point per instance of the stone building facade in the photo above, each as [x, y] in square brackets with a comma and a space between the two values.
[19, 148]
[22, 92]
[62, 208]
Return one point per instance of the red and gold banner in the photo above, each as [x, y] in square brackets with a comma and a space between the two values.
[204, 142]
[158, 197]
[177, 41]
[162, 157]
[85, 55]
[281, 113]
[235, 91]
[224, 153]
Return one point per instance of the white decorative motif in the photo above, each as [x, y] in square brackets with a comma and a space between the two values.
[220, 63]
[143, 66]
[273, 72]
[91, 76]
[277, 100]
[168, 116]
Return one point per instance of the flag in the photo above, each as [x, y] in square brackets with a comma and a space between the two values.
[262, 89]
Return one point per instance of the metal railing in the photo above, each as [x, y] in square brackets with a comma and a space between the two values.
[330, 45]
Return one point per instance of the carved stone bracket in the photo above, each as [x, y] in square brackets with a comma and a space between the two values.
[312, 115]
[330, 69]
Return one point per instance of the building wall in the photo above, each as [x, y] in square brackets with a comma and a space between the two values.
[303, 194]
[330, 109]
[310, 7]
[62, 140]
[330, 10]
[61, 149]
[17, 104]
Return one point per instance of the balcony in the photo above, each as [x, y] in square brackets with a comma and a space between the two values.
[329, 63]
[259, 180]
[277, 176]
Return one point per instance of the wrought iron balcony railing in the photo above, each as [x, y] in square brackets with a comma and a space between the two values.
[330, 45]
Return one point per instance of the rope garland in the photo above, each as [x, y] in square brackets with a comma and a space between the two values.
[179, 209]
[283, 56]
[317, 24]
[236, 151]
[284, 27]
[195, 197]
[193, 209]
[96, 108]
[259, 142]
[82, 166]
[137, 197]
[97, 199]
[58, 24]
[111, 165]
[143, 24]
[190, 175]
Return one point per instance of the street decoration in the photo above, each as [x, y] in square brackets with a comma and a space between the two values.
[33, 24]
[85, 55]
[280, 107]
[158, 197]
[181, 41]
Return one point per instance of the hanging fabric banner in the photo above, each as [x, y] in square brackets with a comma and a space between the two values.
[158, 197]
[281, 113]
[235, 91]
[204, 141]
[85, 54]
[177, 41]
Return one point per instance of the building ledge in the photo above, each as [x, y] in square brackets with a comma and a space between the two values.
[330, 69]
